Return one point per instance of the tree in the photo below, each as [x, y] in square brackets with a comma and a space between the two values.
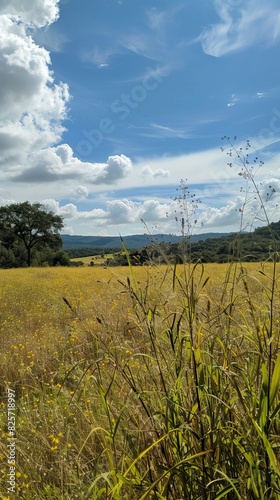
[30, 226]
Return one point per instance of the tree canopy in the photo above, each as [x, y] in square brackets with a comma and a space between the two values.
[26, 228]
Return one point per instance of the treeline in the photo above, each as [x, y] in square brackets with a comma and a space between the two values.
[254, 246]
[248, 247]
[15, 256]
[75, 253]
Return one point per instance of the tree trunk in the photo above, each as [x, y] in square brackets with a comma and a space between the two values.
[28, 256]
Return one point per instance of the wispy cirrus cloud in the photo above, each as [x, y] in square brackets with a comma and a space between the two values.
[148, 42]
[52, 40]
[241, 26]
[157, 40]
[247, 97]
[101, 57]
[157, 19]
[233, 101]
[163, 131]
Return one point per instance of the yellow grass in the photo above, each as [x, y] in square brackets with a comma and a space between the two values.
[97, 259]
[52, 350]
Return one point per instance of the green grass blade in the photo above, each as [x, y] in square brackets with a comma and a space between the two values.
[275, 383]
[224, 492]
[171, 469]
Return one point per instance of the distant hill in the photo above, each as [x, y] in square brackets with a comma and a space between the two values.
[208, 247]
[133, 242]
[257, 245]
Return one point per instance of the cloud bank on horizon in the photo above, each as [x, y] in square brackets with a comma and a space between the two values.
[100, 119]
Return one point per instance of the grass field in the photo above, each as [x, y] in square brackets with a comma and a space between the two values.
[96, 259]
[151, 383]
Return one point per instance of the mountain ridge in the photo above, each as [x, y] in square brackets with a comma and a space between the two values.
[132, 242]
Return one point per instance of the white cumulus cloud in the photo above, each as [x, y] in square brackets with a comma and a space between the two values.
[122, 211]
[31, 12]
[32, 105]
[148, 172]
[118, 212]
[223, 217]
[154, 211]
[59, 163]
[117, 167]
[81, 192]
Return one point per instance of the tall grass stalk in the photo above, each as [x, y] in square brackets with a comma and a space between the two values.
[269, 364]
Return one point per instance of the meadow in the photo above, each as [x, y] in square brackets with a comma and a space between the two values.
[146, 383]
[93, 259]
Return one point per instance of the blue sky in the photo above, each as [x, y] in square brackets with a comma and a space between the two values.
[107, 105]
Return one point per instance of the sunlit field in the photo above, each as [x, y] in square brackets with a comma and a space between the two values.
[143, 383]
[93, 259]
